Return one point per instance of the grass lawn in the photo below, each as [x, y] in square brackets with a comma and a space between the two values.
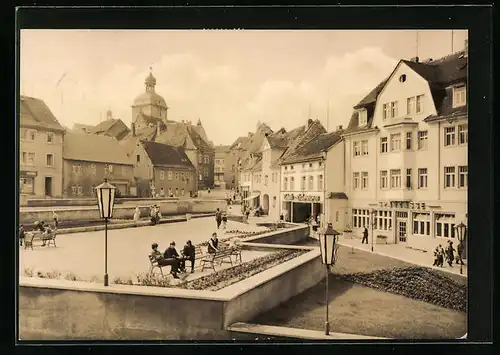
[362, 310]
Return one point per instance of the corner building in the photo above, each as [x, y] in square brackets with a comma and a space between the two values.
[406, 154]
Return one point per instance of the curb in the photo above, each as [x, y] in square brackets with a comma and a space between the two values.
[405, 260]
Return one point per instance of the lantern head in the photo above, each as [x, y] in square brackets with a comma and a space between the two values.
[461, 231]
[105, 194]
[328, 244]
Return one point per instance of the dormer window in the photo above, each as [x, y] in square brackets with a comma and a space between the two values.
[459, 96]
[362, 117]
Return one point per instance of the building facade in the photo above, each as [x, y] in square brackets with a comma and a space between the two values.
[40, 151]
[406, 154]
[225, 167]
[89, 159]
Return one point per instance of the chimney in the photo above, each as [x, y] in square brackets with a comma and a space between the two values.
[133, 129]
[414, 60]
[339, 128]
[466, 48]
[109, 115]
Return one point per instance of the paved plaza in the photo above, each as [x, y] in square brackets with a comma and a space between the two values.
[82, 254]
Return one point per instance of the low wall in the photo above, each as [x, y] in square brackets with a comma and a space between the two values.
[89, 201]
[167, 208]
[287, 236]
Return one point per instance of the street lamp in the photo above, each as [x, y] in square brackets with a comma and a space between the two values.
[105, 201]
[461, 230]
[373, 214]
[328, 247]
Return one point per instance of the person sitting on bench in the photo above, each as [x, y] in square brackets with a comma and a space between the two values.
[213, 244]
[171, 254]
[188, 253]
[162, 261]
[41, 227]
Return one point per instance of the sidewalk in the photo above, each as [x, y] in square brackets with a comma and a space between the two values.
[401, 252]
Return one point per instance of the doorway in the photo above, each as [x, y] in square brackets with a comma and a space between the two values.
[402, 231]
[48, 186]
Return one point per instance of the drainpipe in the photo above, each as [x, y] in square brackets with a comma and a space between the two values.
[325, 215]
[439, 160]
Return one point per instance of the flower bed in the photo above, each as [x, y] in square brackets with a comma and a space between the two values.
[417, 283]
[227, 277]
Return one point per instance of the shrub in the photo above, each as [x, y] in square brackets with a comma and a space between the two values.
[149, 279]
[120, 281]
[72, 277]
[48, 275]
[29, 272]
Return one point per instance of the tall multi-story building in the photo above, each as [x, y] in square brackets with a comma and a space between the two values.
[225, 167]
[40, 151]
[406, 154]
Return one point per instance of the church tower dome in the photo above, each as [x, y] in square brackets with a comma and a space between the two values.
[149, 96]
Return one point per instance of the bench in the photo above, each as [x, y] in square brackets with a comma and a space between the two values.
[381, 239]
[222, 255]
[154, 265]
[48, 238]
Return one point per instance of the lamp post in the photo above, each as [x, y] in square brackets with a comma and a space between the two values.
[105, 201]
[328, 247]
[461, 230]
[373, 213]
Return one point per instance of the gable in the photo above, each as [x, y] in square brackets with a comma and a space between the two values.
[265, 145]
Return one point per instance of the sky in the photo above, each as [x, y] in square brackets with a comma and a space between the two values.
[230, 80]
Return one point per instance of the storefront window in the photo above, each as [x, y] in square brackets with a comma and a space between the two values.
[445, 223]
[26, 185]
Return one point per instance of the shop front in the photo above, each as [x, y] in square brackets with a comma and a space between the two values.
[298, 207]
[27, 182]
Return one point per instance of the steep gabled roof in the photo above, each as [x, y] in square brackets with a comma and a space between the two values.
[94, 148]
[112, 127]
[34, 112]
[166, 155]
[315, 128]
[314, 148]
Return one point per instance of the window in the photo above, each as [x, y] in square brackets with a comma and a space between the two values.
[286, 167]
[384, 220]
[420, 103]
[200, 159]
[162, 175]
[463, 176]
[386, 111]
[395, 178]
[356, 149]
[205, 173]
[292, 183]
[410, 105]
[77, 169]
[50, 160]
[79, 190]
[138, 158]
[422, 140]
[311, 183]
[23, 134]
[31, 159]
[355, 183]
[364, 180]
[383, 145]
[363, 118]
[360, 218]
[32, 135]
[285, 184]
[445, 225]
[291, 167]
[408, 140]
[108, 169]
[449, 176]
[364, 147]
[310, 165]
[408, 179]
[395, 142]
[303, 185]
[169, 176]
[320, 164]
[24, 157]
[463, 133]
[422, 224]
[26, 185]
[449, 136]
[265, 180]
[183, 176]
[383, 179]
[182, 192]
[422, 178]
[320, 182]
[394, 109]
[200, 177]
[73, 190]
[459, 96]
[176, 191]
[93, 169]
[50, 137]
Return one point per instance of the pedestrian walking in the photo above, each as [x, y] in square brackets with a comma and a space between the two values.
[460, 251]
[55, 218]
[22, 234]
[218, 218]
[365, 236]
[224, 220]
[450, 253]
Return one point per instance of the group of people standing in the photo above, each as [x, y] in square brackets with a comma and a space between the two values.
[441, 254]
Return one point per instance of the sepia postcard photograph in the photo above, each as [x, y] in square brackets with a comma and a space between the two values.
[243, 185]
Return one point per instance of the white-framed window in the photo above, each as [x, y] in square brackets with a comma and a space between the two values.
[200, 177]
[420, 104]
[383, 145]
[183, 176]
[200, 159]
[182, 192]
[169, 176]
[386, 111]
[421, 223]
[364, 148]
[285, 184]
[286, 167]
[311, 183]
[73, 190]
[162, 175]
[79, 190]
[384, 183]
[108, 169]
[384, 220]
[459, 96]
[50, 160]
[409, 140]
[463, 176]
[422, 178]
[363, 117]
[265, 179]
[77, 169]
[445, 225]
[395, 142]
[291, 167]
[449, 136]
[463, 133]
[177, 176]
[394, 109]
[23, 134]
[303, 184]
[355, 180]
[50, 137]
[449, 176]
[31, 159]
[360, 218]
[395, 178]
[408, 179]
[320, 182]
[138, 158]
[422, 140]
[356, 149]
[320, 164]
[364, 179]
[32, 135]
[93, 170]
[410, 105]
[292, 183]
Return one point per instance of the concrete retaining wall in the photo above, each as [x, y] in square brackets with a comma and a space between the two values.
[126, 212]
[288, 236]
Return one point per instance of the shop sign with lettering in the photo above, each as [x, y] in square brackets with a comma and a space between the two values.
[301, 198]
[403, 205]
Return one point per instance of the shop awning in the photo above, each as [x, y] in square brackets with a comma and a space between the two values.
[251, 197]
